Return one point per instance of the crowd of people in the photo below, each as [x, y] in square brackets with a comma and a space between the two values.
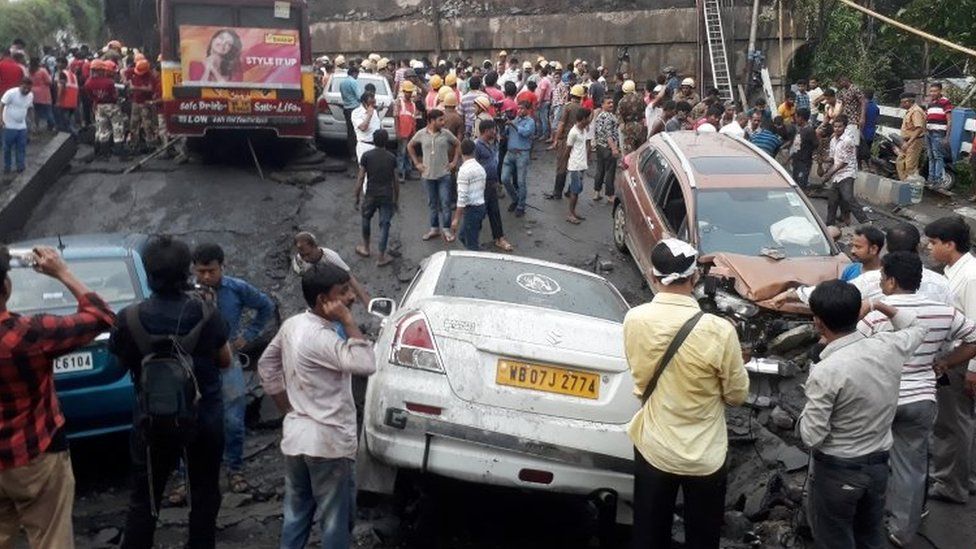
[591, 119]
[116, 89]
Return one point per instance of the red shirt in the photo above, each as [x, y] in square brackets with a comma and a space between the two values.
[30, 415]
[101, 90]
[526, 95]
[147, 80]
[936, 115]
[11, 73]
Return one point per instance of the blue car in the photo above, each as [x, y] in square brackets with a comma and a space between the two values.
[95, 391]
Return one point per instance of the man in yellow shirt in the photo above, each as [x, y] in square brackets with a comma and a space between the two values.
[913, 137]
[679, 434]
[788, 108]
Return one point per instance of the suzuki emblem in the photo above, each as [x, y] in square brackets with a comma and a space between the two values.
[554, 337]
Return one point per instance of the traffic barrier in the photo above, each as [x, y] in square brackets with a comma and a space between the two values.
[884, 192]
[963, 127]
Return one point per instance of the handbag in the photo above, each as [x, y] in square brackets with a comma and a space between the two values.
[679, 338]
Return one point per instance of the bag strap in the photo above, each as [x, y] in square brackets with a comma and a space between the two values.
[139, 334]
[679, 338]
[189, 341]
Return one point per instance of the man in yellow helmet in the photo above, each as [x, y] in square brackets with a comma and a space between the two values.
[566, 121]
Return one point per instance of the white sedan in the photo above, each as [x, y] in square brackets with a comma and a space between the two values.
[504, 370]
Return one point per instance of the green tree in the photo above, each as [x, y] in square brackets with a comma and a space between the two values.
[45, 22]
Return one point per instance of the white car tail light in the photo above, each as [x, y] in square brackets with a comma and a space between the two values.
[413, 345]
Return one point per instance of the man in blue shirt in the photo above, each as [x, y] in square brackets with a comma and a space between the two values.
[870, 127]
[351, 92]
[233, 296]
[486, 153]
[767, 139]
[519, 132]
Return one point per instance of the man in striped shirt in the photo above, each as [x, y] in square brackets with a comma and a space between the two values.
[938, 117]
[901, 277]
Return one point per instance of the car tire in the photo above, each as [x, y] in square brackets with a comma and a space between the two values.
[620, 229]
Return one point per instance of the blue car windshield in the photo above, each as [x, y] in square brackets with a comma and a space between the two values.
[33, 292]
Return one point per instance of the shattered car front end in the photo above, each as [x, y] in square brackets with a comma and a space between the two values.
[740, 288]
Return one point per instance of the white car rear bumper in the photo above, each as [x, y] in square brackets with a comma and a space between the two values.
[490, 445]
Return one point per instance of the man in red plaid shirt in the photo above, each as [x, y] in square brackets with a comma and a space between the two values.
[36, 482]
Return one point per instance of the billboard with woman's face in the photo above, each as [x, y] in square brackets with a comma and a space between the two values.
[228, 57]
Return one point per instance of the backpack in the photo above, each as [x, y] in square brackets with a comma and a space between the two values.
[167, 393]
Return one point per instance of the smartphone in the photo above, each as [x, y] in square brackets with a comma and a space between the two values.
[22, 259]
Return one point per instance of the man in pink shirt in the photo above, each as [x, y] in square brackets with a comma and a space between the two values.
[307, 369]
[544, 91]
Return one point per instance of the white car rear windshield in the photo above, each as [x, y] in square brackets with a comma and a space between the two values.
[748, 221]
[109, 278]
[529, 284]
[382, 84]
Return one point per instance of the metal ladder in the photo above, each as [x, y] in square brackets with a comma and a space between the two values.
[716, 50]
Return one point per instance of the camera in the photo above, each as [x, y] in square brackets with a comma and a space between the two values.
[22, 259]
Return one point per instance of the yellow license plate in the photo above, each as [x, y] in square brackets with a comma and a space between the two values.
[548, 379]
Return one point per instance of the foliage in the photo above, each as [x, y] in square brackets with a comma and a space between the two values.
[46, 22]
[880, 56]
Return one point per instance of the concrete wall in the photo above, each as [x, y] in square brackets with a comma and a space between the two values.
[655, 38]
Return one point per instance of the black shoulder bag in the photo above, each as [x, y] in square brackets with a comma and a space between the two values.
[679, 338]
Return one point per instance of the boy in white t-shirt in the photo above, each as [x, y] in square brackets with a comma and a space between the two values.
[15, 106]
[576, 141]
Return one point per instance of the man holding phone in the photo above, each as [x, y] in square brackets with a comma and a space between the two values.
[36, 482]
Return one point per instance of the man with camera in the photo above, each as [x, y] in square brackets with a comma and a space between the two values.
[175, 344]
[36, 482]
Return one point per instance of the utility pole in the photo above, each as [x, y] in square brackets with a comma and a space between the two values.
[435, 14]
[754, 26]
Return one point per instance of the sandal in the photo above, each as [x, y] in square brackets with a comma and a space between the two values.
[177, 496]
[238, 484]
[360, 251]
[449, 236]
[573, 220]
[431, 234]
[504, 245]
[384, 262]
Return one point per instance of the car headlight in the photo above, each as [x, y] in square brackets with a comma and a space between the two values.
[735, 305]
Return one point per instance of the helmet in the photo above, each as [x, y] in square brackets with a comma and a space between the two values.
[436, 82]
[113, 45]
[142, 67]
[340, 60]
[138, 57]
[540, 60]
[503, 53]
[658, 88]
[543, 63]
[110, 66]
[374, 57]
[323, 59]
[577, 62]
[688, 82]
[577, 91]
[408, 87]
[382, 63]
[527, 65]
[483, 101]
[558, 65]
[448, 99]
[629, 86]
[451, 79]
[414, 64]
[97, 65]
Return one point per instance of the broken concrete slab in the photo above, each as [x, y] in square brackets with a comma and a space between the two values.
[300, 178]
[793, 339]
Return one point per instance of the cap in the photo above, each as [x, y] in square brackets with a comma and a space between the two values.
[577, 91]
[483, 101]
[629, 86]
[448, 99]
[527, 65]
[340, 60]
[142, 67]
[382, 63]
[436, 82]
[688, 82]
[374, 57]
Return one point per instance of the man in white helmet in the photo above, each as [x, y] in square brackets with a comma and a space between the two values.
[686, 92]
